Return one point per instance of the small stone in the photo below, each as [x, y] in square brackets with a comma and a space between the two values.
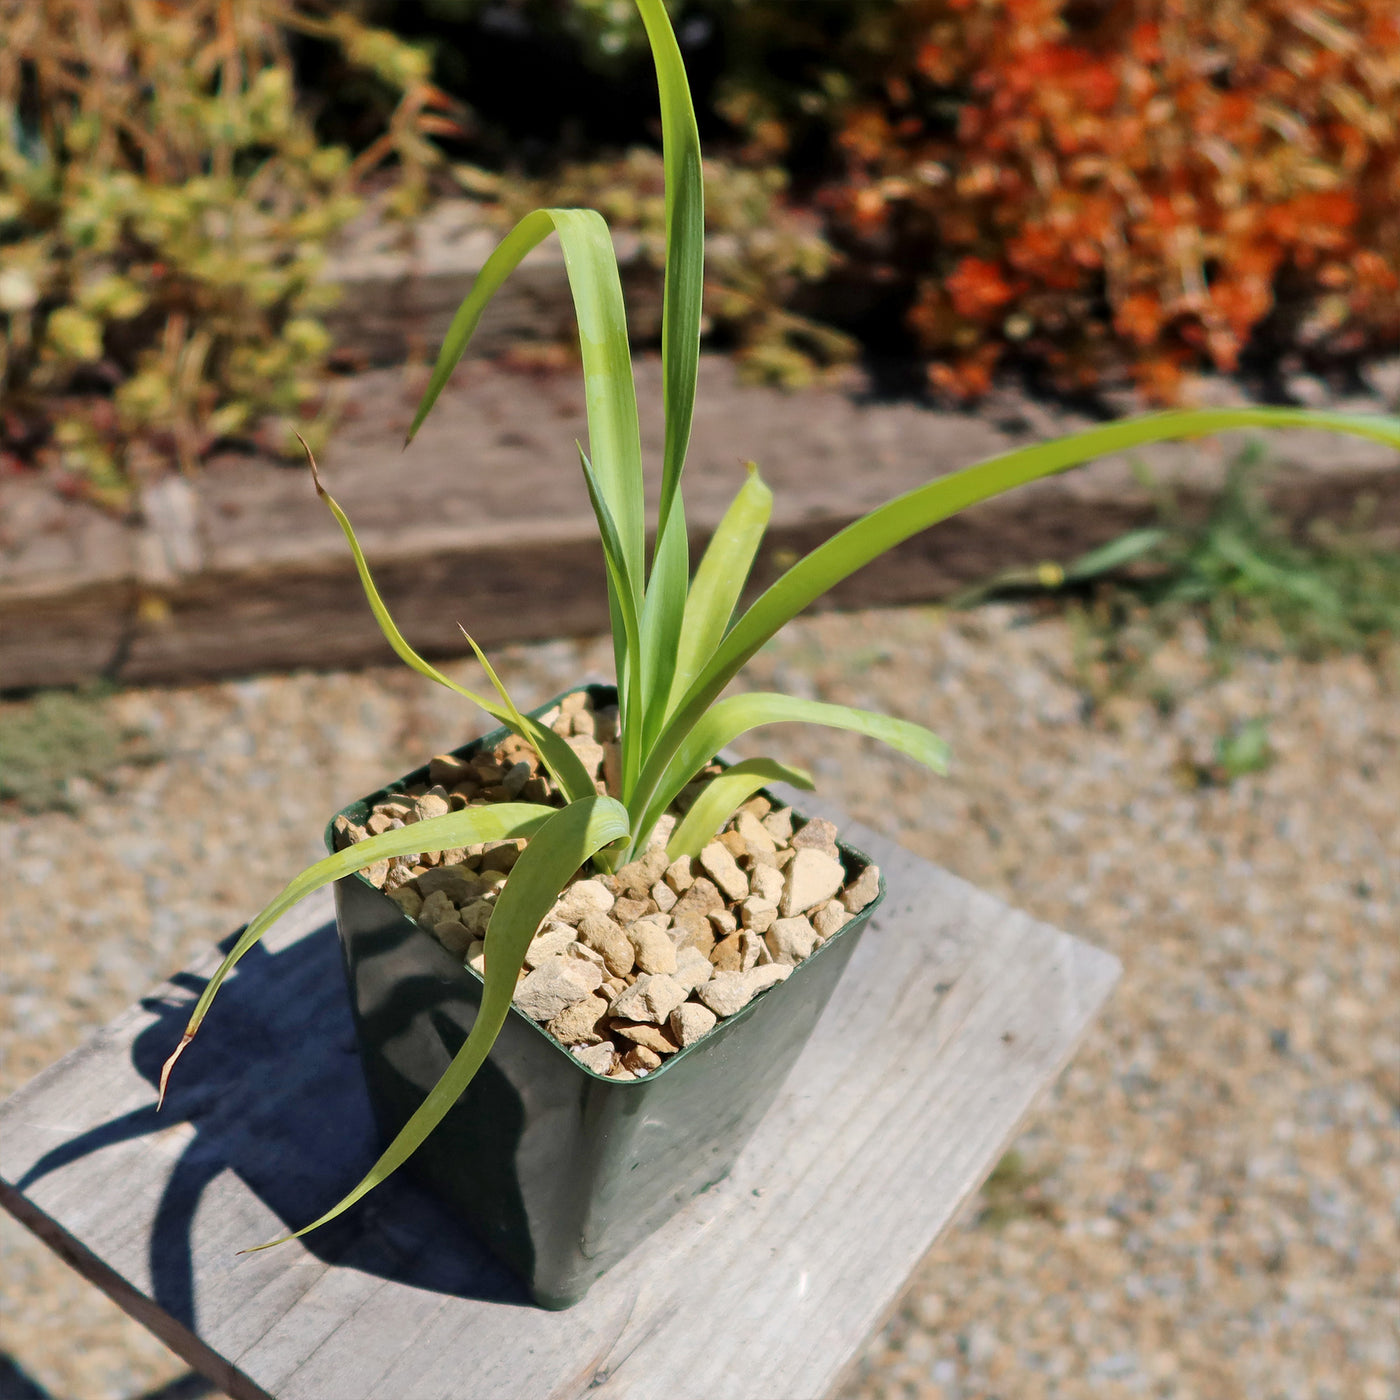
[658, 1038]
[583, 897]
[347, 833]
[689, 1021]
[581, 950]
[812, 878]
[862, 889]
[758, 914]
[628, 910]
[552, 942]
[649, 998]
[719, 864]
[817, 834]
[652, 944]
[454, 936]
[701, 898]
[723, 922]
[485, 769]
[693, 969]
[582, 722]
[476, 958]
[752, 950]
[829, 919]
[501, 855]
[400, 874]
[620, 1071]
[434, 803]
[641, 1060]
[555, 984]
[438, 905]
[692, 931]
[458, 883]
[637, 877]
[766, 881]
[513, 749]
[663, 896]
[575, 701]
[536, 790]
[728, 955]
[581, 1023]
[517, 775]
[447, 770]
[477, 915]
[380, 822]
[605, 936]
[728, 992]
[734, 844]
[758, 805]
[408, 899]
[778, 824]
[753, 832]
[590, 752]
[679, 875]
[766, 975]
[613, 987]
[662, 832]
[599, 1058]
[791, 940]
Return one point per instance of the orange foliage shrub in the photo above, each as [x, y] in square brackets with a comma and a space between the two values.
[1144, 182]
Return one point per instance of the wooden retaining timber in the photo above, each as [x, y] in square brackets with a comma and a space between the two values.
[484, 521]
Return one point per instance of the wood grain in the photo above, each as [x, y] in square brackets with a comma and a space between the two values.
[486, 522]
[955, 1015]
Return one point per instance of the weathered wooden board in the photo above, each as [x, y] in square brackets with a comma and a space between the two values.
[486, 522]
[955, 1015]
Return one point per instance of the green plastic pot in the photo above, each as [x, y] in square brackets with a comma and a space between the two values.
[559, 1170]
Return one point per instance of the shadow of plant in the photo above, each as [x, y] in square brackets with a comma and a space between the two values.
[274, 1012]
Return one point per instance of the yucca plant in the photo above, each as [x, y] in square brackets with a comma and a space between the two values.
[678, 640]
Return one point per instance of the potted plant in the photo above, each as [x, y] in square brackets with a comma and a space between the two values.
[512, 908]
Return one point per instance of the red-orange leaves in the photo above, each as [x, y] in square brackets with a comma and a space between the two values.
[1131, 188]
[978, 288]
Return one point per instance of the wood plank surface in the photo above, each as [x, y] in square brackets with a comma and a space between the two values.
[486, 522]
[954, 1016]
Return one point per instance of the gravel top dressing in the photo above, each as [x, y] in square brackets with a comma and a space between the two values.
[1205, 1205]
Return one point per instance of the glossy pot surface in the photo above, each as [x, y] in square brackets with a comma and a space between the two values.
[561, 1171]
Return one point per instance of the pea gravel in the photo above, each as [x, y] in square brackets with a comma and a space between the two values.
[1208, 1203]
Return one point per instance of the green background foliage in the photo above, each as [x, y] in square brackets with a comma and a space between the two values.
[165, 208]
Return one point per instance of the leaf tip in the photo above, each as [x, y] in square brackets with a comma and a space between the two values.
[169, 1065]
[311, 459]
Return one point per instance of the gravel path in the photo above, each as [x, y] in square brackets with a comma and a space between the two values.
[1208, 1204]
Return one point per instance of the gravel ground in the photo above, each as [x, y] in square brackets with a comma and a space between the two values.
[1209, 1202]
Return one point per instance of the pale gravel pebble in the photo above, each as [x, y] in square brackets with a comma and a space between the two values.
[1216, 1173]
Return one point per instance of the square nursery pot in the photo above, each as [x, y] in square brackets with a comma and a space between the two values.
[558, 1169]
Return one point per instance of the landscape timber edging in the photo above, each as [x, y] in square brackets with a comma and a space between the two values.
[485, 522]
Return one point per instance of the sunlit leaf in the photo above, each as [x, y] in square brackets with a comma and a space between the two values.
[465, 828]
[723, 795]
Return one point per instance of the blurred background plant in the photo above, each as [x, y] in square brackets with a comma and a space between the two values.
[1099, 192]
[1237, 576]
[1092, 194]
[165, 204]
[761, 253]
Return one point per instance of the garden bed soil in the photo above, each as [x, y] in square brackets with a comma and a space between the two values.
[485, 521]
